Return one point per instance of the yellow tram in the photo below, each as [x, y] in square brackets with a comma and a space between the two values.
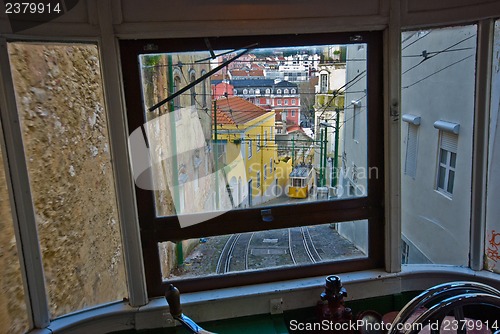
[301, 181]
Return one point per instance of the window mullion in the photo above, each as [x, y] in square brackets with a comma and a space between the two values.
[392, 134]
[448, 175]
[124, 185]
[23, 211]
[480, 141]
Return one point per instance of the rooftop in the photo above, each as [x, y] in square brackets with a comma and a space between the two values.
[234, 110]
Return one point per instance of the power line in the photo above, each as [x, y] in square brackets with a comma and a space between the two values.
[415, 41]
[444, 68]
[433, 52]
[427, 56]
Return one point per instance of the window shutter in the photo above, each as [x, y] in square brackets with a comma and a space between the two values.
[449, 141]
[411, 151]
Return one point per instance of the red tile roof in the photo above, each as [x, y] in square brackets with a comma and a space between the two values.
[256, 73]
[239, 73]
[293, 128]
[235, 110]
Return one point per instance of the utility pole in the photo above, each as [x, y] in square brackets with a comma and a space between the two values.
[321, 153]
[336, 156]
[324, 155]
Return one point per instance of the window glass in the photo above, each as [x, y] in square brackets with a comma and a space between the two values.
[60, 101]
[13, 315]
[238, 121]
[438, 87]
[314, 165]
[269, 249]
[492, 242]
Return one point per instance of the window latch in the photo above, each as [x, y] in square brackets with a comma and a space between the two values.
[266, 215]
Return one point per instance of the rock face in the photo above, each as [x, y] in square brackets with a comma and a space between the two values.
[61, 106]
[13, 316]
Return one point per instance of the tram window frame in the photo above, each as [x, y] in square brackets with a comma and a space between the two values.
[155, 230]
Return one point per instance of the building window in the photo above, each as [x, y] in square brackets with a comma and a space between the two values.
[279, 102]
[356, 118]
[177, 99]
[258, 143]
[278, 91]
[221, 154]
[245, 91]
[258, 179]
[271, 166]
[249, 148]
[324, 83]
[286, 102]
[204, 96]
[447, 162]
[286, 91]
[410, 167]
[265, 171]
[293, 113]
[294, 102]
[268, 91]
[293, 91]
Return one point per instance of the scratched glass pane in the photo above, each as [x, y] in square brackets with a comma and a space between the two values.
[267, 249]
[268, 127]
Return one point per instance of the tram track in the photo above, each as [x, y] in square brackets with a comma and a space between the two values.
[309, 245]
[236, 251]
[225, 257]
[234, 255]
[301, 246]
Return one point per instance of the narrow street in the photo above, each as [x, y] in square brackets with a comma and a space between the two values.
[267, 249]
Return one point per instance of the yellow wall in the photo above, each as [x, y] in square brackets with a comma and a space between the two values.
[283, 170]
[259, 158]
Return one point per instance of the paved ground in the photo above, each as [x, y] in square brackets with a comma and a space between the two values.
[268, 249]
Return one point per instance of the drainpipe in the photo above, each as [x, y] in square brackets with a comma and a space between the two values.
[173, 143]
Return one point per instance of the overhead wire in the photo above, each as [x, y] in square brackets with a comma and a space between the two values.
[438, 71]
[427, 56]
[418, 39]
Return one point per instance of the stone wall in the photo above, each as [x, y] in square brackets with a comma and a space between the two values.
[13, 316]
[61, 105]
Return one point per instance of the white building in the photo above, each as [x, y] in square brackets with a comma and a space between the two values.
[438, 69]
[354, 170]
